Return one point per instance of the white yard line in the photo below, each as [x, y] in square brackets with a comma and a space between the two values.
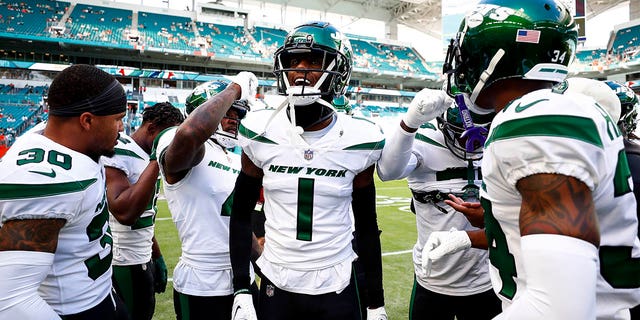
[395, 253]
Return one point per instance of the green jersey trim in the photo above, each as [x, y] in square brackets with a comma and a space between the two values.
[428, 140]
[11, 191]
[578, 128]
[367, 146]
[247, 133]
[128, 153]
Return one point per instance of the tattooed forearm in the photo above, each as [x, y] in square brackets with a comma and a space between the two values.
[31, 235]
[204, 120]
[557, 204]
[186, 149]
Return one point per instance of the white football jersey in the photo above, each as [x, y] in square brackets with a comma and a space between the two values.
[200, 206]
[41, 179]
[465, 272]
[132, 244]
[307, 191]
[547, 132]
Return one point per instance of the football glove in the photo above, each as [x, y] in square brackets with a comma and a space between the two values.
[441, 243]
[377, 314]
[426, 106]
[159, 275]
[243, 306]
[248, 83]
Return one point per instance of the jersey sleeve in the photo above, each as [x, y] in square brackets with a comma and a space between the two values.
[163, 143]
[29, 195]
[118, 162]
[252, 130]
[549, 143]
[370, 139]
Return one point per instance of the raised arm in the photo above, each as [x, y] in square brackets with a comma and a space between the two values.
[397, 160]
[187, 147]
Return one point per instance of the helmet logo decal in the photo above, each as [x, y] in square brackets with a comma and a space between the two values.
[474, 19]
[493, 12]
[528, 36]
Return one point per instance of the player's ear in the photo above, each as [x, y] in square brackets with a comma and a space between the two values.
[86, 119]
[152, 129]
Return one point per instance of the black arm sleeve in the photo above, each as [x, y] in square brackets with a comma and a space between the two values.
[634, 167]
[368, 242]
[246, 194]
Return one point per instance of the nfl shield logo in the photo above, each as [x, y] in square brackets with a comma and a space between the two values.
[308, 154]
[269, 290]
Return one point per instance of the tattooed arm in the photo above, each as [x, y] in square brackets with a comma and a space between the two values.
[187, 148]
[31, 235]
[26, 255]
[559, 239]
[557, 204]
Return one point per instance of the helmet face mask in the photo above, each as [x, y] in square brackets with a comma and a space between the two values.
[452, 127]
[629, 105]
[227, 138]
[501, 39]
[328, 55]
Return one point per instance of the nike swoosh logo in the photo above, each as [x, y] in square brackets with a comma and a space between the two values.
[51, 174]
[235, 312]
[520, 108]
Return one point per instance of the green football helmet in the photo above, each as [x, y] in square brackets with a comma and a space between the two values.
[206, 91]
[323, 42]
[500, 39]
[628, 106]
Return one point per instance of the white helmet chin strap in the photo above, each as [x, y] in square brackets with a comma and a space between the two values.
[224, 138]
[292, 113]
[224, 141]
[486, 74]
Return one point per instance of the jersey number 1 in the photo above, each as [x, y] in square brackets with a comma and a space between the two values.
[305, 209]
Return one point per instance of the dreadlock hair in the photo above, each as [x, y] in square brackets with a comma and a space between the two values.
[162, 114]
[76, 83]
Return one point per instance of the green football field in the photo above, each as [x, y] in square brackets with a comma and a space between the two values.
[398, 236]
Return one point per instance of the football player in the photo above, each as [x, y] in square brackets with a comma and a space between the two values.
[436, 161]
[558, 205]
[198, 174]
[55, 241]
[313, 163]
[132, 190]
[628, 121]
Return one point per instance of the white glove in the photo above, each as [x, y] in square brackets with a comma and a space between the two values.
[441, 243]
[248, 83]
[377, 314]
[243, 307]
[426, 106]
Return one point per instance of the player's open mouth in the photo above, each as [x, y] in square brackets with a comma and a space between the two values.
[302, 81]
